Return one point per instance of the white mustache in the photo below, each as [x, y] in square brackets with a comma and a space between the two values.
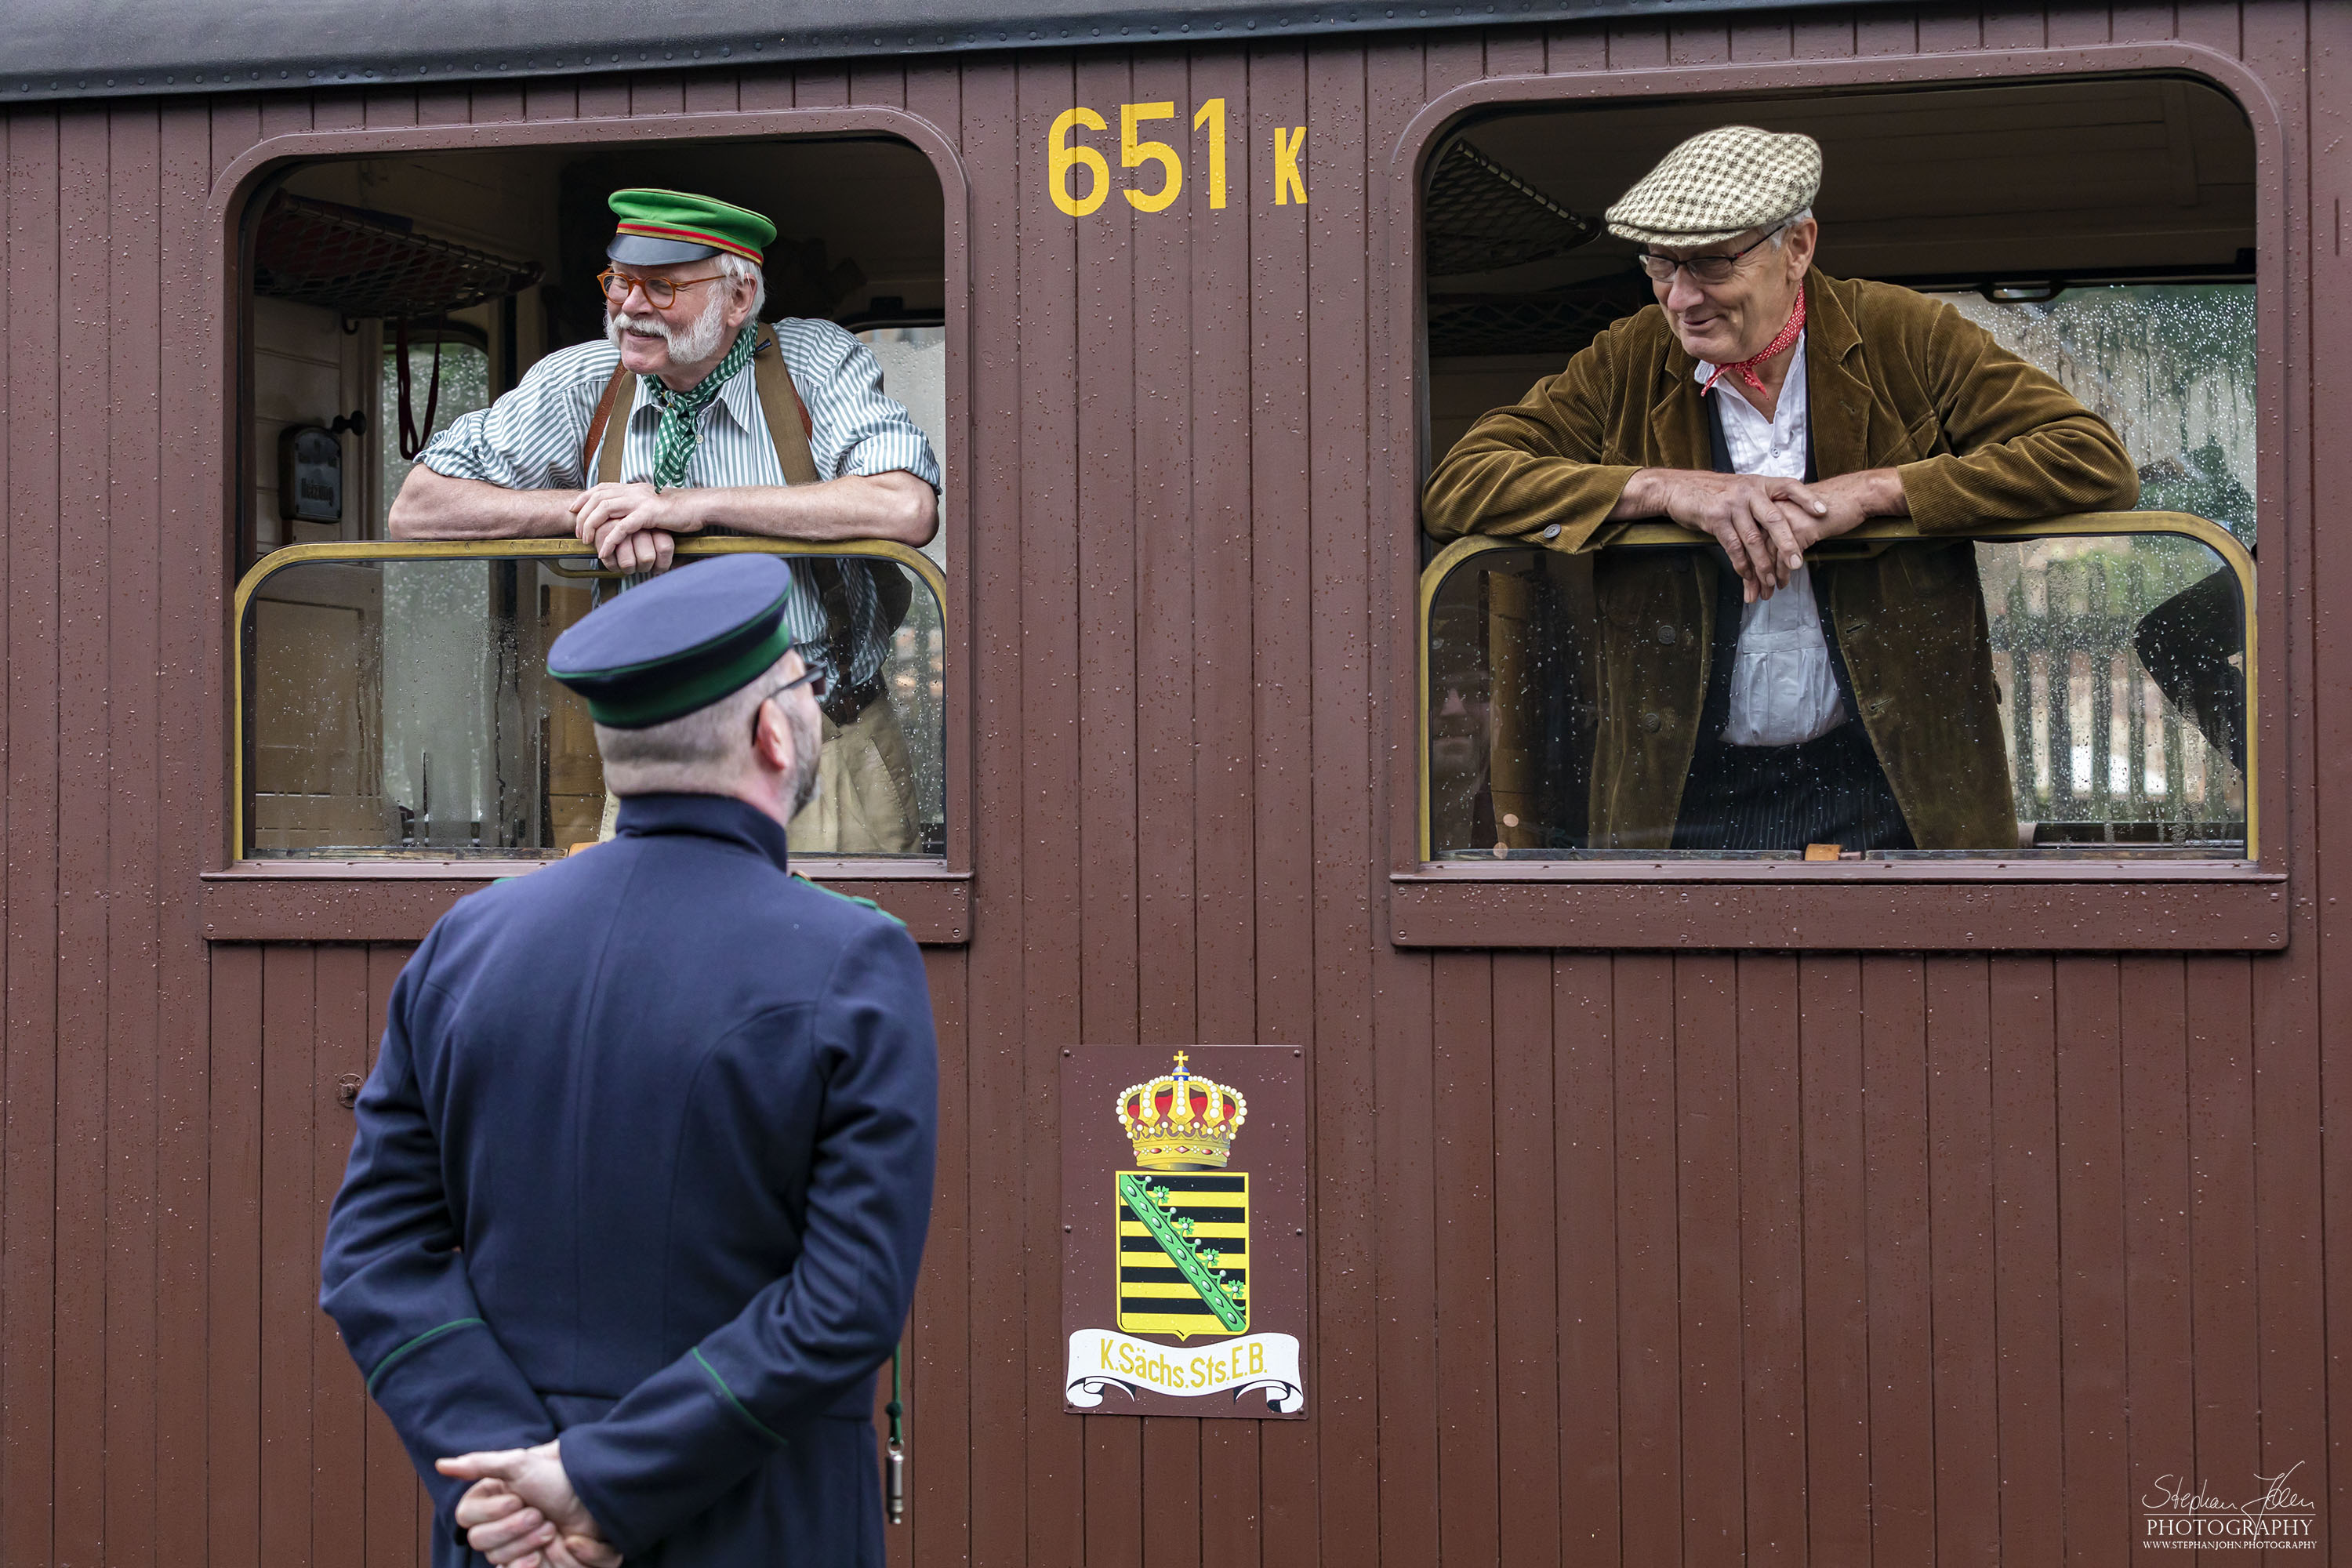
[653, 326]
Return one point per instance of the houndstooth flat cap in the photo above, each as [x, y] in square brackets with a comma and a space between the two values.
[1718, 185]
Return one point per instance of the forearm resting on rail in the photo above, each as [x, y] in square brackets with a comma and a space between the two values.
[432, 505]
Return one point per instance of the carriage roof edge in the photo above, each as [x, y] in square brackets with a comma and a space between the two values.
[63, 50]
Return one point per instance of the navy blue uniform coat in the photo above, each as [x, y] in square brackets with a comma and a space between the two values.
[647, 1160]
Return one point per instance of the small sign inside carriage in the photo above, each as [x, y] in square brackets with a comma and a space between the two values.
[310, 475]
[1184, 1230]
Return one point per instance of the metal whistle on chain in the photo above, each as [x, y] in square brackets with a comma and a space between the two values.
[894, 1471]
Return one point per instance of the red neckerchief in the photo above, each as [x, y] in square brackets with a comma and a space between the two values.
[1780, 344]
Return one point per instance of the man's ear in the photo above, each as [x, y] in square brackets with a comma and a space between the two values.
[1802, 240]
[772, 737]
[739, 309]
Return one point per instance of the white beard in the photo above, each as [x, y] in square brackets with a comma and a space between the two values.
[698, 343]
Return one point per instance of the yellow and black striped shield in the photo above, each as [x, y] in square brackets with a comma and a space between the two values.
[1183, 1252]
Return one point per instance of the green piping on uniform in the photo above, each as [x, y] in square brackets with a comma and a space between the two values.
[644, 709]
[385, 1364]
[850, 898]
[730, 1395]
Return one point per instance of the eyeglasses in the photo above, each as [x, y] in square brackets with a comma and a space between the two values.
[660, 292]
[1702, 268]
[813, 677]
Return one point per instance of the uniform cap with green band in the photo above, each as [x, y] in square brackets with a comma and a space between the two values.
[679, 643]
[660, 228]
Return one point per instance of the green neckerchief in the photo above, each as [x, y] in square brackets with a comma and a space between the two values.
[682, 411]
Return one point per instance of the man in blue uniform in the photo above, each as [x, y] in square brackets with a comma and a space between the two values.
[643, 1172]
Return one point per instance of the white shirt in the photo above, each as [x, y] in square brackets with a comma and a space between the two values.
[1782, 687]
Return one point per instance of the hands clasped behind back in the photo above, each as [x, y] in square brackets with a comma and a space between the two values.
[523, 1512]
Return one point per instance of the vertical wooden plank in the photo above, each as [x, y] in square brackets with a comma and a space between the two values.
[186, 607]
[604, 97]
[939, 1391]
[1395, 86]
[338, 111]
[443, 106]
[826, 86]
[1963, 1263]
[2015, 27]
[652, 94]
[1046, 269]
[1280, 581]
[1107, 544]
[995, 1065]
[1527, 1319]
[1514, 51]
[1638, 44]
[2160, 1345]
[2226, 1323]
[551, 97]
[1824, 34]
[28, 1189]
[1344, 1229]
[501, 103]
[1886, 32]
[79, 632]
[1945, 28]
[289, 1256]
[1167, 662]
[1706, 1084]
[234, 1457]
[2091, 1257]
[1772, 1259]
[390, 108]
[2074, 26]
[131, 838]
[1837, 1286]
[2026, 1252]
[1225, 800]
[1649, 1350]
[1584, 1102]
[339, 1473]
[872, 82]
[1462, 1029]
[717, 92]
[1576, 48]
[1895, 1130]
[2330, 50]
[1768, 38]
[1700, 42]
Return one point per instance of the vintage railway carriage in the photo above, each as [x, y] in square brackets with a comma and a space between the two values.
[1959, 1206]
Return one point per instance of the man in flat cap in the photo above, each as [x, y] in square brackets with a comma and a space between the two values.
[726, 427]
[1748, 700]
[632, 1215]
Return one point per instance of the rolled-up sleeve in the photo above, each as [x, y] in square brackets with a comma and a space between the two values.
[529, 438]
[857, 427]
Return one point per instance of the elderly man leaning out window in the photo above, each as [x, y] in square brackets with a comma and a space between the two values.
[691, 416]
[1750, 701]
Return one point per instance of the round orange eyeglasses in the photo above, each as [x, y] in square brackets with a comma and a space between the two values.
[660, 292]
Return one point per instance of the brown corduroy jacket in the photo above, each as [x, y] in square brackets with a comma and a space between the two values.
[1894, 380]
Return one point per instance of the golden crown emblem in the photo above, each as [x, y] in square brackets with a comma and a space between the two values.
[1179, 1123]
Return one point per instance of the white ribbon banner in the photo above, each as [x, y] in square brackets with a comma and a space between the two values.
[1102, 1360]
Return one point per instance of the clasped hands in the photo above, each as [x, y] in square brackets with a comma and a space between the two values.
[632, 527]
[1765, 523]
[522, 1512]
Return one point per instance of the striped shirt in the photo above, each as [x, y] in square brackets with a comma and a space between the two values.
[529, 440]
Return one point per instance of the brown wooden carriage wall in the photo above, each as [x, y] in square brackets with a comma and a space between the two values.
[1840, 1256]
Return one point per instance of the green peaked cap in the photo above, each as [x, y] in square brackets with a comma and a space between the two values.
[660, 227]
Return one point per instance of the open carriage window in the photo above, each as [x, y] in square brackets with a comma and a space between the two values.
[2033, 688]
[393, 702]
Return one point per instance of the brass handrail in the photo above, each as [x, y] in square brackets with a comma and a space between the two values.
[1876, 530]
[554, 549]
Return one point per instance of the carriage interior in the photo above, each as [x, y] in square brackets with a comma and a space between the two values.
[2102, 228]
[399, 708]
